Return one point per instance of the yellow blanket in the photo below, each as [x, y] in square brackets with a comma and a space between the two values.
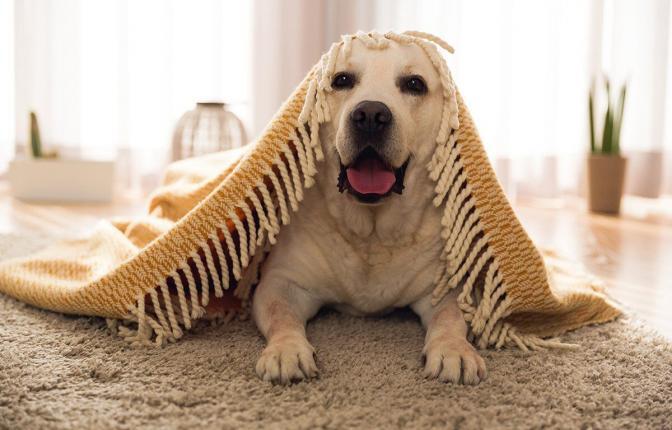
[213, 219]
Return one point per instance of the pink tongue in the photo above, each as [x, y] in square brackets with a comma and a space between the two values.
[369, 176]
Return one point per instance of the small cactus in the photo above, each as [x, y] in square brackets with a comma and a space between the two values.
[35, 141]
[613, 119]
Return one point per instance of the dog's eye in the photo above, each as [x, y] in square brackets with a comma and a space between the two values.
[413, 85]
[343, 81]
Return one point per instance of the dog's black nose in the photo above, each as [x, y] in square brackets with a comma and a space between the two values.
[371, 117]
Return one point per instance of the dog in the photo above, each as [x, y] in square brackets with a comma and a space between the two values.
[366, 240]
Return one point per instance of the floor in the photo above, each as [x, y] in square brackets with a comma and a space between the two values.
[632, 256]
[633, 253]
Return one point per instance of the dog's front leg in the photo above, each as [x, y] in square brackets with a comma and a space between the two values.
[448, 354]
[281, 310]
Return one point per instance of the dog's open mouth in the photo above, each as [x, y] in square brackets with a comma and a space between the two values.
[369, 178]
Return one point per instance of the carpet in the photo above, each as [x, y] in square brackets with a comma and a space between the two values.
[64, 372]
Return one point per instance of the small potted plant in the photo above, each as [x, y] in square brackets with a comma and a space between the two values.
[46, 176]
[606, 166]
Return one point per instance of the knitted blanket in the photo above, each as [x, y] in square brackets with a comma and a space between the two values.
[214, 219]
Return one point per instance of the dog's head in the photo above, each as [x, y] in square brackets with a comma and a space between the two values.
[386, 108]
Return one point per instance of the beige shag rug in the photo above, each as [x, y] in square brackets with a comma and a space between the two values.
[67, 372]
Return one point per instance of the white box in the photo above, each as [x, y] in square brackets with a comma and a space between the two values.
[57, 180]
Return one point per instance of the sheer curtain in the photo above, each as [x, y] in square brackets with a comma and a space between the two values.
[111, 77]
[6, 82]
[525, 68]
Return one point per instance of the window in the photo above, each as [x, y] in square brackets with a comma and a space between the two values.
[110, 78]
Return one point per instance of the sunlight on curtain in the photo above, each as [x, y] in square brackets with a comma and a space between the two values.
[6, 83]
[111, 78]
[525, 68]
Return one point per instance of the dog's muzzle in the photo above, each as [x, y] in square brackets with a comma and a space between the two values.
[370, 178]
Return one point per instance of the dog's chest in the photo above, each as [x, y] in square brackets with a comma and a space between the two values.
[375, 277]
[363, 275]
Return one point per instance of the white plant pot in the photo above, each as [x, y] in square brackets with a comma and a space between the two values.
[56, 180]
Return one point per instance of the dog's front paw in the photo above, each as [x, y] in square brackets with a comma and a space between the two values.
[451, 360]
[287, 360]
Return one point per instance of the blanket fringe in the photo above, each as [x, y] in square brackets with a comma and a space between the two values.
[232, 253]
[470, 262]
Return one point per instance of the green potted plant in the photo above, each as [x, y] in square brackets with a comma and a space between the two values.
[606, 166]
[35, 139]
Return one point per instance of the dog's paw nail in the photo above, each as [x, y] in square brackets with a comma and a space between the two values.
[456, 362]
[287, 361]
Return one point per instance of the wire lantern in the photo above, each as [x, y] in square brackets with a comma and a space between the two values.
[209, 127]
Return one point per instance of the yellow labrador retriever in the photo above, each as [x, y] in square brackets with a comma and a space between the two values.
[366, 240]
